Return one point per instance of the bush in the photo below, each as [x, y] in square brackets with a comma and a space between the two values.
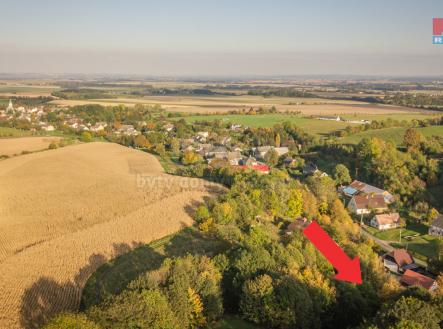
[86, 137]
[71, 321]
[53, 146]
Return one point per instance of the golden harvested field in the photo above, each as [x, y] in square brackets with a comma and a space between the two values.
[15, 146]
[65, 212]
[223, 104]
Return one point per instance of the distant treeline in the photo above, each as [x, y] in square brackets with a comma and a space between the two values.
[177, 91]
[434, 102]
[280, 92]
[28, 101]
[82, 93]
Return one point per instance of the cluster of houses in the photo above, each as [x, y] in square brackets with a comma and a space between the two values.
[36, 116]
[367, 199]
[33, 115]
[232, 154]
[401, 262]
[224, 150]
[398, 261]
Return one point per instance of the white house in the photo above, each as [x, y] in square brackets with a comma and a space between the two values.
[385, 221]
[48, 127]
[261, 151]
[365, 204]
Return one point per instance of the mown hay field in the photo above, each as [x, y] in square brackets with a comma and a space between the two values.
[65, 212]
[16, 146]
[223, 104]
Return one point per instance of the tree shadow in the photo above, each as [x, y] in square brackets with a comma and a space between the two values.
[47, 297]
[113, 277]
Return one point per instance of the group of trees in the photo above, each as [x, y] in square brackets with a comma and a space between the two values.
[405, 173]
[421, 100]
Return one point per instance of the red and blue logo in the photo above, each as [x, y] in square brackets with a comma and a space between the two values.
[437, 31]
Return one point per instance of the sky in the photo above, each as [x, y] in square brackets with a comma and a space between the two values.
[220, 38]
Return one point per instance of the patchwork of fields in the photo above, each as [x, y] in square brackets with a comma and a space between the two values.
[224, 104]
[65, 212]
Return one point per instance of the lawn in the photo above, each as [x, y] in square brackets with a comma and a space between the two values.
[394, 134]
[313, 126]
[394, 116]
[411, 229]
[422, 247]
[414, 238]
[112, 277]
[13, 132]
[232, 322]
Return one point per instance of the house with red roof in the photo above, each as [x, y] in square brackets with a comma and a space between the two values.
[262, 168]
[399, 261]
[411, 278]
[366, 203]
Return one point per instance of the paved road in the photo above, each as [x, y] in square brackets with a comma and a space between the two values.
[388, 248]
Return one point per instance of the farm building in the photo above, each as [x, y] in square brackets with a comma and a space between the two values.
[399, 261]
[365, 204]
[411, 278]
[436, 227]
[357, 187]
[261, 151]
[385, 221]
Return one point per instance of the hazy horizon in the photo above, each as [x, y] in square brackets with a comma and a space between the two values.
[232, 38]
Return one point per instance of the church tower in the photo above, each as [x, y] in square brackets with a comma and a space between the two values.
[10, 107]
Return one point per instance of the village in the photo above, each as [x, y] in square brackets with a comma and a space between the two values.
[370, 206]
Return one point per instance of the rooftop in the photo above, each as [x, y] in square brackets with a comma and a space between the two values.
[438, 222]
[402, 257]
[370, 201]
[384, 219]
[411, 278]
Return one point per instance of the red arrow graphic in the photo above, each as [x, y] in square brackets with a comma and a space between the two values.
[347, 269]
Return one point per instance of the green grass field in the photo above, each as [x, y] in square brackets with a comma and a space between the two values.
[414, 238]
[411, 229]
[13, 132]
[322, 128]
[394, 134]
[113, 277]
[313, 126]
[232, 322]
[422, 247]
[396, 116]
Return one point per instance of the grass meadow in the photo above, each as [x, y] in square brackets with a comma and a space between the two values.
[394, 134]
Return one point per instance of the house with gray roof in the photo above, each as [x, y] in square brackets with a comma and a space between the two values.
[436, 227]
